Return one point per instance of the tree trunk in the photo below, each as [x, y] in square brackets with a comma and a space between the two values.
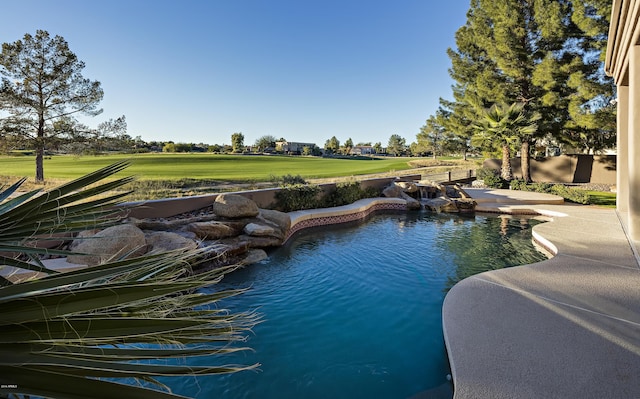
[524, 161]
[507, 172]
[40, 164]
[40, 150]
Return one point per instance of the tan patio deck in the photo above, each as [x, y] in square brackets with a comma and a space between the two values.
[568, 327]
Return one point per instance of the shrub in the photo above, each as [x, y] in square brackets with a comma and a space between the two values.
[571, 194]
[491, 178]
[568, 193]
[540, 187]
[484, 172]
[347, 193]
[517, 184]
[295, 197]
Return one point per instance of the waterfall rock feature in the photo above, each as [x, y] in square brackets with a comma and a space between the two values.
[400, 189]
[450, 198]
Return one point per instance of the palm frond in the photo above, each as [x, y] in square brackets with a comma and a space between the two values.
[62, 335]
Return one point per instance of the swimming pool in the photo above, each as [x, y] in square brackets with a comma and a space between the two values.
[354, 311]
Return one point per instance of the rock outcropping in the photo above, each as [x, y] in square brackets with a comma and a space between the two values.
[232, 230]
[450, 198]
[435, 197]
[400, 189]
[115, 242]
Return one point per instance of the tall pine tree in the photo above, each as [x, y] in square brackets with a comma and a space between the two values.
[545, 54]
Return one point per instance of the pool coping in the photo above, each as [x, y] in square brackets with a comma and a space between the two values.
[567, 327]
[342, 214]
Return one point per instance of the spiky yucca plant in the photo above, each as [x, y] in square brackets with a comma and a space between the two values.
[76, 334]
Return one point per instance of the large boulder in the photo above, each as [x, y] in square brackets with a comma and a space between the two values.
[122, 241]
[412, 203]
[260, 230]
[260, 242]
[392, 191]
[226, 248]
[441, 204]
[212, 230]
[465, 204]
[397, 190]
[281, 219]
[234, 206]
[452, 192]
[161, 241]
[455, 191]
[171, 224]
[407, 186]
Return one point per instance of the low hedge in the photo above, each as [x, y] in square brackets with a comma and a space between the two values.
[568, 193]
[296, 194]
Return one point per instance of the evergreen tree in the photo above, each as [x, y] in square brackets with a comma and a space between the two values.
[457, 124]
[237, 142]
[332, 145]
[545, 54]
[348, 145]
[396, 145]
[377, 147]
[431, 138]
[42, 83]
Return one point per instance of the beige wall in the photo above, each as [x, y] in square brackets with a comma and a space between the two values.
[566, 169]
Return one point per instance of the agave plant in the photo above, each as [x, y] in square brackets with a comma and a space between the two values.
[87, 333]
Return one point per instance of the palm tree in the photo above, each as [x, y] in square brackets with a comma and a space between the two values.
[504, 126]
[81, 333]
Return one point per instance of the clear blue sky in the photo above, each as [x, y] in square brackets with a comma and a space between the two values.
[305, 70]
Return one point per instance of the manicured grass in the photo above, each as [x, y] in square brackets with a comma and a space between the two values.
[601, 198]
[236, 168]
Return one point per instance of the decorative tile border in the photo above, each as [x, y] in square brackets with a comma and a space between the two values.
[357, 214]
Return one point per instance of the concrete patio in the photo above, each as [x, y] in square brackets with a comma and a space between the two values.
[568, 327]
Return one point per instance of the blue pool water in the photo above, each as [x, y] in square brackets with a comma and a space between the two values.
[355, 311]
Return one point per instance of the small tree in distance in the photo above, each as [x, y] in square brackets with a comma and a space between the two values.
[377, 147]
[237, 142]
[332, 145]
[348, 145]
[396, 145]
[264, 142]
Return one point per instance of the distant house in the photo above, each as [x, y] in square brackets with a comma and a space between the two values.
[292, 147]
[362, 150]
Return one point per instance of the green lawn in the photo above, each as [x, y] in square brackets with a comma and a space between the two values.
[601, 198]
[237, 168]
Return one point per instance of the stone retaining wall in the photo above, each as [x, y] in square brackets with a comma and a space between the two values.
[580, 168]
